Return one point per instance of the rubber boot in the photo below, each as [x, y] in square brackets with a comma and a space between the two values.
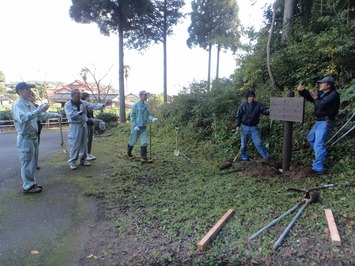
[129, 152]
[144, 158]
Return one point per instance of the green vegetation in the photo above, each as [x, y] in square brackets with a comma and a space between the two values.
[163, 209]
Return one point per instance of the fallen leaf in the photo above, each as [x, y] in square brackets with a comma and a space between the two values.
[34, 252]
[91, 256]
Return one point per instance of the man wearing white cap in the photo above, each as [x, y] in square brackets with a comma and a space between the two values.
[326, 103]
[139, 118]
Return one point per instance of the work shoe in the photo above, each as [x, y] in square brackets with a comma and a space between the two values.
[90, 157]
[33, 189]
[85, 163]
[144, 158]
[129, 152]
[39, 186]
[73, 166]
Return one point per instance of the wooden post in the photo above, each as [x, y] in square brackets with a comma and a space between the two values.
[215, 229]
[334, 235]
[287, 147]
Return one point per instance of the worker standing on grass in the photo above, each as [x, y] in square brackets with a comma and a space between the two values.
[326, 103]
[139, 118]
[25, 116]
[76, 111]
[247, 118]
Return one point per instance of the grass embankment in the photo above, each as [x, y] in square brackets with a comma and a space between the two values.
[160, 211]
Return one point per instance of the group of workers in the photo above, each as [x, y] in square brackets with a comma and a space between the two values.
[326, 101]
[78, 110]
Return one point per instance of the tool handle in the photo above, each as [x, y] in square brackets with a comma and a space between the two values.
[288, 228]
[275, 221]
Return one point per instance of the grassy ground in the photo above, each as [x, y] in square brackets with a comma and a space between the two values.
[160, 211]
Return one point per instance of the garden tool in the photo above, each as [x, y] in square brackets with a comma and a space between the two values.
[61, 132]
[150, 141]
[306, 201]
[346, 123]
[308, 190]
[176, 151]
[346, 133]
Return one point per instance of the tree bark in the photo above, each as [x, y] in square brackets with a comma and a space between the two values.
[209, 67]
[165, 56]
[287, 20]
[268, 52]
[121, 67]
[217, 69]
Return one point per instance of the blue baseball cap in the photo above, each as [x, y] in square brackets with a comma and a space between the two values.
[326, 80]
[24, 86]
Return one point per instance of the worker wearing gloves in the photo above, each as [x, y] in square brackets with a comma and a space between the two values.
[247, 120]
[25, 116]
[326, 103]
[76, 111]
[139, 118]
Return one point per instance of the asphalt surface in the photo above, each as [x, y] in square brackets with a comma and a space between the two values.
[37, 221]
[10, 172]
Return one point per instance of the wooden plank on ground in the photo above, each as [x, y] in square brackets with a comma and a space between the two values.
[214, 230]
[334, 235]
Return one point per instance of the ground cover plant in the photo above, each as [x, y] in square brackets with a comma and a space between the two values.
[158, 212]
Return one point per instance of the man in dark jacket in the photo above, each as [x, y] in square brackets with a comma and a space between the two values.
[248, 116]
[326, 103]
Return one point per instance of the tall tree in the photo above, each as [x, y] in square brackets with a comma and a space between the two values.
[127, 18]
[213, 22]
[167, 14]
[287, 19]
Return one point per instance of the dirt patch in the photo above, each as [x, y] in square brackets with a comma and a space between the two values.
[267, 169]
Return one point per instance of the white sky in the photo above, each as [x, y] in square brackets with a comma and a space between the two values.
[39, 41]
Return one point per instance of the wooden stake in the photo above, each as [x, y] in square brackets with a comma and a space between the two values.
[215, 229]
[334, 235]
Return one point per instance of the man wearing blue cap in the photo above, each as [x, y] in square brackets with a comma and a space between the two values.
[139, 118]
[326, 103]
[25, 116]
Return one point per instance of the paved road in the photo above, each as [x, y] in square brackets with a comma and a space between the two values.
[10, 163]
[43, 221]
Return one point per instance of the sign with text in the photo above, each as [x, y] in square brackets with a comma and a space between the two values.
[290, 109]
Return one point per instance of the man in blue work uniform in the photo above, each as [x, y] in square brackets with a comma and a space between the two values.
[25, 116]
[247, 118]
[76, 111]
[326, 103]
[139, 118]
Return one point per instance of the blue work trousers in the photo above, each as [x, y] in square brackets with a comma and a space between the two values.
[28, 150]
[78, 142]
[136, 134]
[253, 133]
[317, 138]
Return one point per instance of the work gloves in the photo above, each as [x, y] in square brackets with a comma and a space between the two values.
[154, 120]
[136, 128]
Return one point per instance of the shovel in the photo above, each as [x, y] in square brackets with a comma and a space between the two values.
[61, 131]
[176, 151]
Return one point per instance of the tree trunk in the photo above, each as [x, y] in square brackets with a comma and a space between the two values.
[217, 69]
[209, 67]
[287, 20]
[121, 68]
[165, 57]
[268, 51]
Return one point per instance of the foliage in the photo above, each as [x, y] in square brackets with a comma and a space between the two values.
[107, 117]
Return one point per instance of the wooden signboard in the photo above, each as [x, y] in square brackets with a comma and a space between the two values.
[290, 109]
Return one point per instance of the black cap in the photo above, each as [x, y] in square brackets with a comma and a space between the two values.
[24, 86]
[326, 80]
[249, 93]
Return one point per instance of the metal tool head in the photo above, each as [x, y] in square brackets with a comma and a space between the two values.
[176, 152]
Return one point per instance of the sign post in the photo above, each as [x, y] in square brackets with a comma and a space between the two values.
[289, 109]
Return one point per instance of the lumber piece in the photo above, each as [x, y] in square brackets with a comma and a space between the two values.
[334, 235]
[214, 230]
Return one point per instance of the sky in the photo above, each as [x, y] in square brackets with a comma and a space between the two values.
[39, 41]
